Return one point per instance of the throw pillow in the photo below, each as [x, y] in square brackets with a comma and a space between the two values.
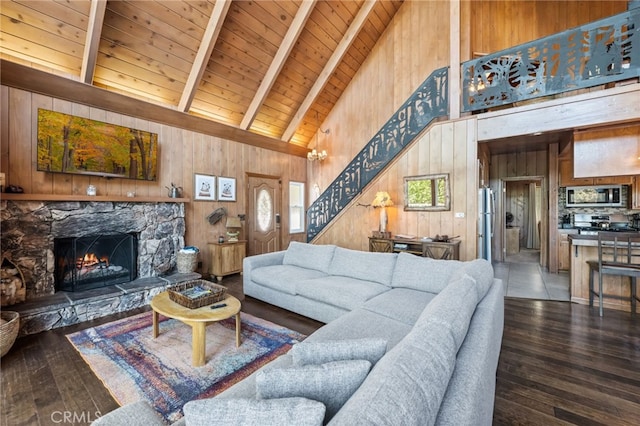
[310, 256]
[253, 412]
[332, 383]
[306, 353]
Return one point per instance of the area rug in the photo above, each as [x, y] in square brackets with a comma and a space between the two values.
[134, 366]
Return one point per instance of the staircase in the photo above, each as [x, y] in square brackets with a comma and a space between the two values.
[428, 102]
[599, 53]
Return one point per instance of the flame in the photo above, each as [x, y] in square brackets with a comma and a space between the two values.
[90, 259]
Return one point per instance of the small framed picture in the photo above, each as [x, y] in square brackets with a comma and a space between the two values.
[226, 189]
[204, 188]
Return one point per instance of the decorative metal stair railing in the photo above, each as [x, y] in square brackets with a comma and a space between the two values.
[600, 52]
[428, 102]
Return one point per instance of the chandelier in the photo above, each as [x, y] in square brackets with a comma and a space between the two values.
[314, 154]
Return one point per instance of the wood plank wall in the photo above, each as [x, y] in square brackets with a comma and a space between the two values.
[390, 75]
[444, 148]
[498, 24]
[182, 153]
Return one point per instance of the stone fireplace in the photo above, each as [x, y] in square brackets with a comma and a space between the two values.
[32, 231]
[95, 261]
[30, 228]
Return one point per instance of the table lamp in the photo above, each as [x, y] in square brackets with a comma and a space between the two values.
[233, 226]
[383, 199]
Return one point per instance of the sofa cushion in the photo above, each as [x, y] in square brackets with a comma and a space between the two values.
[361, 323]
[363, 265]
[451, 310]
[139, 412]
[315, 353]
[401, 304]
[425, 274]
[284, 277]
[412, 378]
[344, 292]
[309, 256]
[332, 383]
[482, 272]
[253, 412]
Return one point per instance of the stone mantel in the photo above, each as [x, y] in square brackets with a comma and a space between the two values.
[29, 228]
[95, 198]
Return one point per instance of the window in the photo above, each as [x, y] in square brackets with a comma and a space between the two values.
[296, 207]
[428, 192]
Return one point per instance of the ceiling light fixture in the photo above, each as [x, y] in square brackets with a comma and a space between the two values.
[314, 154]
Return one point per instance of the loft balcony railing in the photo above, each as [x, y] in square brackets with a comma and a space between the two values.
[598, 53]
[428, 102]
[595, 54]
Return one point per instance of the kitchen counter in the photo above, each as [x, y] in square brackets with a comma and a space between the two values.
[616, 291]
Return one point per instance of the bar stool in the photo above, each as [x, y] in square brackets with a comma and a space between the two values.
[618, 254]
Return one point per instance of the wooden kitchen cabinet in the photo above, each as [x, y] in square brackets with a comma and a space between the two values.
[635, 193]
[565, 169]
[564, 249]
[593, 154]
[226, 258]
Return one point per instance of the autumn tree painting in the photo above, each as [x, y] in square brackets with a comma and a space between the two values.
[70, 144]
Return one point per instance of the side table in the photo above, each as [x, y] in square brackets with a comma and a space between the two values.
[197, 319]
[226, 258]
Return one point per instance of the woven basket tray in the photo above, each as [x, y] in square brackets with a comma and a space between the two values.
[8, 330]
[180, 293]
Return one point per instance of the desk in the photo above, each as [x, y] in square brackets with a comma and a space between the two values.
[432, 249]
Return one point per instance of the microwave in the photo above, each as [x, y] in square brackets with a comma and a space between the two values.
[594, 196]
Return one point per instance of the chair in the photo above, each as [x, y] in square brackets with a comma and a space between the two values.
[618, 254]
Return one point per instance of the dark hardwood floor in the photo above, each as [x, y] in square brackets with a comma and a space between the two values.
[560, 364]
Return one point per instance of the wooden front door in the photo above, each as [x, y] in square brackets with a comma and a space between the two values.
[263, 224]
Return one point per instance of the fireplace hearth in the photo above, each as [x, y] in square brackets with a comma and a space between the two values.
[84, 263]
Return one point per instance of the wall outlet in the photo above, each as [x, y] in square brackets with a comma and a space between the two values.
[459, 214]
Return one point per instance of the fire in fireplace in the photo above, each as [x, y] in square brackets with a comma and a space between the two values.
[84, 263]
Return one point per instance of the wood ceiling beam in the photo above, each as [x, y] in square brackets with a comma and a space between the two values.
[278, 61]
[329, 68]
[37, 81]
[216, 21]
[92, 41]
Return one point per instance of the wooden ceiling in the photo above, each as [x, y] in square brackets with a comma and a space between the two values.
[272, 67]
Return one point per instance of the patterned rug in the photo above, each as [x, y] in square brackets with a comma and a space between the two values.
[133, 365]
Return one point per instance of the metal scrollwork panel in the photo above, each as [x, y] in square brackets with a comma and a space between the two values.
[601, 52]
[429, 101]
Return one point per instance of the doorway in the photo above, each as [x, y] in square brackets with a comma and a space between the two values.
[263, 223]
[522, 220]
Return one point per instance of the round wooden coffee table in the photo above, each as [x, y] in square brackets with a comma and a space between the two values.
[197, 319]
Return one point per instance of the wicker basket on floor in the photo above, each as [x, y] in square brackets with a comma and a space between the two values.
[186, 262]
[8, 330]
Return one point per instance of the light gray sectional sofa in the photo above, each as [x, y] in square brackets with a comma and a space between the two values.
[408, 341]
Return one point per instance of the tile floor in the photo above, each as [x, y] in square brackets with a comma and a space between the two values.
[524, 278]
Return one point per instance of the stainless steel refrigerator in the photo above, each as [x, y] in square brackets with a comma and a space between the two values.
[486, 222]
